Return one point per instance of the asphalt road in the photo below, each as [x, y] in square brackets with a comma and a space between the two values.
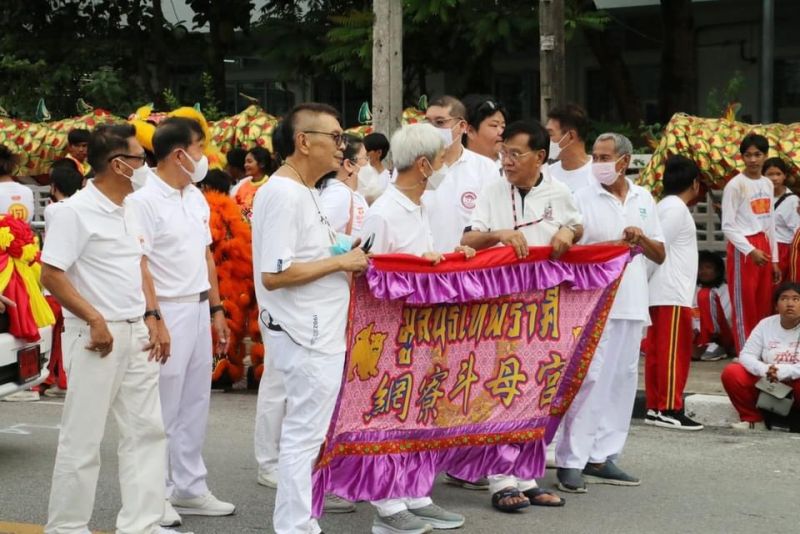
[704, 482]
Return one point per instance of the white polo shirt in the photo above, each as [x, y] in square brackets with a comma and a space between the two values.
[341, 205]
[604, 219]
[450, 205]
[17, 200]
[399, 225]
[49, 212]
[175, 234]
[287, 228]
[575, 179]
[787, 220]
[747, 210]
[549, 205]
[674, 282]
[95, 242]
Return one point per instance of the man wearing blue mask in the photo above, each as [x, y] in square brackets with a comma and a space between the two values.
[464, 173]
[595, 428]
[176, 237]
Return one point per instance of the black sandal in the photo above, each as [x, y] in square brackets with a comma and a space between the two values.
[532, 493]
[504, 494]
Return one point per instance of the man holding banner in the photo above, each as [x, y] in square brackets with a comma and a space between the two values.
[399, 223]
[307, 297]
[526, 209]
[597, 423]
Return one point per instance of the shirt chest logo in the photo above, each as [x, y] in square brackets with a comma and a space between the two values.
[760, 206]
[468, 199]
[643, 213]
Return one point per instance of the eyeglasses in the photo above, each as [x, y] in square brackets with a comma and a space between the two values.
[338, 137]
[513, 155]
[442, 122]
[142, 158]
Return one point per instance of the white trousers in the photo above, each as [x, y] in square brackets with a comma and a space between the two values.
[270, 409]
[596, 425]
[312, 381]
[387, 507]
[501, 482]
[185, 388]
[125, 384]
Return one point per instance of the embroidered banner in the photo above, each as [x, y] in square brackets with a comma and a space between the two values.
[465, 367]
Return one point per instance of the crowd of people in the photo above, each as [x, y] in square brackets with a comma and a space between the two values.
[127, 255]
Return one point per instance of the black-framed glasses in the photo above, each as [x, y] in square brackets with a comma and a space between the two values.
[338, 138]
[142, 158]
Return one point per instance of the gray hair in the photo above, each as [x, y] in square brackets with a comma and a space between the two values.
[622, 145]
[413, 141]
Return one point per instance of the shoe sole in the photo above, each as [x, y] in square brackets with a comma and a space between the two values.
[465, 485]
[173, 524]
[650, 422]
[660, 424]
[205, 513]
[441, 524]
[267, 484]
[562, 487]
[339, 510]
[591, 479]
[383, 529]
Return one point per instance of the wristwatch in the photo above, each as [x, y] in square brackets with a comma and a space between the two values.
[152, 313]
[215, 309]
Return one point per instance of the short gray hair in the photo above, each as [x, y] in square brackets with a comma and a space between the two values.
[413, 141]
[622, 145]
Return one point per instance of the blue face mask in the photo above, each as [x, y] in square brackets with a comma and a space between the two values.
[343, 245]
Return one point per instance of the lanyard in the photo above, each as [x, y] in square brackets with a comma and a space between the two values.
[514, 212]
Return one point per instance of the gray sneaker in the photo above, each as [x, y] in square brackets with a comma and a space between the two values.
[336, 505]
[570, 480]
[608, 473]
[438, 517]
[400, 523]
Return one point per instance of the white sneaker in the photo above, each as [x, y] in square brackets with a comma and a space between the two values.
[27, 395]
[162, 530]
[269, 480]
[746, 425]
[171, 518]
[207, 505]
[336, 505]
[55, 392]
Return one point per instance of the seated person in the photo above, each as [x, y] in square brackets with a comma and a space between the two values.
[771, 352]
[712, 310]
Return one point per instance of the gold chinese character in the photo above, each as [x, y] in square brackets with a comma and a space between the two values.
[505, 385]
[429, 394]
[466, 377]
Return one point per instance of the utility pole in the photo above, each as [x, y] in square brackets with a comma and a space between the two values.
[767, 60]
[387, 66]
[552, 83]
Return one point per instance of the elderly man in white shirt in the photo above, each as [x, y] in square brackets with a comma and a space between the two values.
[596, 425]
[92, 263]
[176, 237]
[400, 223]
[303, 291]
[528, 208]
[450, 201]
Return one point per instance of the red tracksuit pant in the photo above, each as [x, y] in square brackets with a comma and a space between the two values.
[741, 388]
[713, 322]
[668, 355]
[750, 287]
[784, 257]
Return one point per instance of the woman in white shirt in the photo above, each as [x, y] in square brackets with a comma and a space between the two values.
[773, 352]
[15, 198]
[787, 219]
[342, 204]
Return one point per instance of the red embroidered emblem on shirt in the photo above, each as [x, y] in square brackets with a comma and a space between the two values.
[468, 200]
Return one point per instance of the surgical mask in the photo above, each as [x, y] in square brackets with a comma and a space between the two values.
[343, 244]
[605, 172]
[555, 148]
[437, 176]
[200, 168]
[447, 136]
[139, 176]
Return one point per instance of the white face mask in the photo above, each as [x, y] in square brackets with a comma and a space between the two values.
[605, 172]
[555, 148]
[200, 168]
[447, 136]
[139, 176]
[436, 177]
